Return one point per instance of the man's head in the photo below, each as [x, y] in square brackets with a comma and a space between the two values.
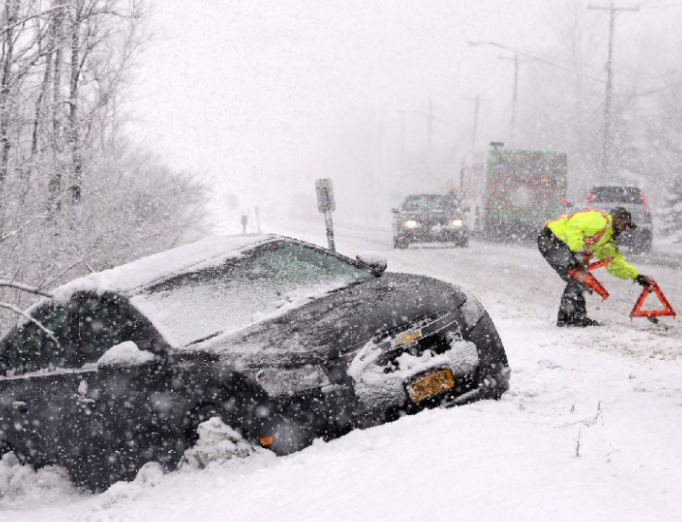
[622, 220]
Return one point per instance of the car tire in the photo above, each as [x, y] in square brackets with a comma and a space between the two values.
[194, 418]
[288, 436]
[493, 373]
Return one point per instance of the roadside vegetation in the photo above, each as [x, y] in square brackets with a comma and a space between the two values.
[75, 194]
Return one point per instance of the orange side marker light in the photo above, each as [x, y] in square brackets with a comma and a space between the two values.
[266, 441]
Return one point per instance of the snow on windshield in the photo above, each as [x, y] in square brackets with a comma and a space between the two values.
[268, 282]
[125, 278]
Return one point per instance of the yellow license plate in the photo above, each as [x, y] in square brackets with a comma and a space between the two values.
[430, 384]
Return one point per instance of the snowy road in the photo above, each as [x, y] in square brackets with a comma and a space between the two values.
[590, 429]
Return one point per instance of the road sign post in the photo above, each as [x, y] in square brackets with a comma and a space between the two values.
[326, 205]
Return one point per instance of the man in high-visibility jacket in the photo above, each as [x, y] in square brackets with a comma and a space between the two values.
[568, 242]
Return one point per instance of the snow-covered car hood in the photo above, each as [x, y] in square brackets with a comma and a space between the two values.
[338, 323]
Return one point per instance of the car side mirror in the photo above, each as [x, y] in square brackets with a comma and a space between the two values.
[376, 262]
[125, 355]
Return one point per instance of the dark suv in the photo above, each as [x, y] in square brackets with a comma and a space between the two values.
[606, 197]
[425, 218]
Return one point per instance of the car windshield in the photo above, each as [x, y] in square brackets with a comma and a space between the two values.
[430, 202]
[264, 283]
[616, 195]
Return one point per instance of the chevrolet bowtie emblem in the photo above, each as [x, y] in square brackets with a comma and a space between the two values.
[406, 339]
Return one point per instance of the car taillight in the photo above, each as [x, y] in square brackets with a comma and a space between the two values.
[589, 196]
[641, 195]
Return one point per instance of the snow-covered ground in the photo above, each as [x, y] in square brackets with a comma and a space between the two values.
[591, 429]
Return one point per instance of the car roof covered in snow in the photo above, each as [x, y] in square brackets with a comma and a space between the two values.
[131, 278]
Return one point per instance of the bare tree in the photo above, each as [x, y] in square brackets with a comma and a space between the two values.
[75, 195]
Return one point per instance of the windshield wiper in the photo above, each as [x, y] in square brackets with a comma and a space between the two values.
[206, 338]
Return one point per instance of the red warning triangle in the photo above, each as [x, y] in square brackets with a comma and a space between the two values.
[637, 311]
[589, 280]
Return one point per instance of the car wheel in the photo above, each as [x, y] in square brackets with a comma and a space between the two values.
[493, 373]
[21, 457]
[196, 417]
[287, 436]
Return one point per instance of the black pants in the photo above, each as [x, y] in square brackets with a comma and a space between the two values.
[572, 308]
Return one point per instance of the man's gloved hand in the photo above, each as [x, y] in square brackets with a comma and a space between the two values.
[583, 259]
[643, 280]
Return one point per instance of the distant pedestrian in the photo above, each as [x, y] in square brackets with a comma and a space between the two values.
[568, 242]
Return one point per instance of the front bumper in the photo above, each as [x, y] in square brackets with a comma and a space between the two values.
[433, 234]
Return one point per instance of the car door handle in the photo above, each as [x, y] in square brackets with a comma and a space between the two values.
[85, 401]
[20, 406]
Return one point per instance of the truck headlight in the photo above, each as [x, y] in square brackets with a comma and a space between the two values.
[411, 223]
[276, 381]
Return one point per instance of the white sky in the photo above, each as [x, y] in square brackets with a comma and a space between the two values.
[278, 91]
[266, 96]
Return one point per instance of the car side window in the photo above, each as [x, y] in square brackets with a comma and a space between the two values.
[30, 348]
[103, 323]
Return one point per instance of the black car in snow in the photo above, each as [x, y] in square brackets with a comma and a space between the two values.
[284, 340]
[427, 218]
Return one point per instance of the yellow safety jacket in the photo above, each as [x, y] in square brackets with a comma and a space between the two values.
[591, 232]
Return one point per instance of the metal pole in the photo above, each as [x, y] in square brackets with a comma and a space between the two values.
[512, 131]
[477, 103]
[515, 91]
[608, 109]
[606, 156]
[430, 118]
[330, 230]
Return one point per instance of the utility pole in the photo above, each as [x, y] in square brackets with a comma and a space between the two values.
[512, 125]
[430, 118]
[608, 113]
[477, 103]
[515, 91]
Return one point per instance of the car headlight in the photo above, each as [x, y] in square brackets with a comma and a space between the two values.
[411, 223]
[277, 381]
[457, 223]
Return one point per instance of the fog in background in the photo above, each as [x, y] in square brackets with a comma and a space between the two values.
[264, 97]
